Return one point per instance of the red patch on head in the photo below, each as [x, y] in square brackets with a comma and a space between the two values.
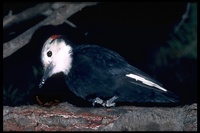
[55, 36]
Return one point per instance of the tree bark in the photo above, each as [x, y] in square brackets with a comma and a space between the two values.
[66, 117]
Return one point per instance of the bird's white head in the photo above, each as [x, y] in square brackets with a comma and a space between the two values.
[56, 57]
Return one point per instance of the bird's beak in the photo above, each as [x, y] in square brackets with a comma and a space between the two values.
[47, 73]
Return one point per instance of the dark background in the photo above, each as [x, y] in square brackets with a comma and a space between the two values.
[136, 30]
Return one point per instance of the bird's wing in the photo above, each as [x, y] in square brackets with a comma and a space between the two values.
[111, 67]
[116, 65]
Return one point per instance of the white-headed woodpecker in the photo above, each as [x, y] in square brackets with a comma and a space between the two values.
[100, 75]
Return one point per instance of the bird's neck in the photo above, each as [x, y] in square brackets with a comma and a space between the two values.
[63, 60]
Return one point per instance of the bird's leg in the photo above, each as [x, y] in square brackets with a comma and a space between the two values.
[109, 102]
[97, 100]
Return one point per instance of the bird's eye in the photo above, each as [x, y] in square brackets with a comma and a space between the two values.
[49, 53]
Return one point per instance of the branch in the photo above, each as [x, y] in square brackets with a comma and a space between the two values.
[66, 117]
[27, 14]
[56, 18]
[184, 17]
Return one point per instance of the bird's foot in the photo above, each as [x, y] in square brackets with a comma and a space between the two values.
[97, 100]
[110, 102]
[107, 103]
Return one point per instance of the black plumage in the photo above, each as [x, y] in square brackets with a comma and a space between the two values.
[98, 75]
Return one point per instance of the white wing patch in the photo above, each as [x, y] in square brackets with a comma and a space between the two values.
[144, 81]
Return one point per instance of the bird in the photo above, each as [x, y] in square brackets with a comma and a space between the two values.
[99, 75]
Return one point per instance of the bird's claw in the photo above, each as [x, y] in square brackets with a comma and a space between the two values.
[97, 100]
[110, 102]
[107, 103]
